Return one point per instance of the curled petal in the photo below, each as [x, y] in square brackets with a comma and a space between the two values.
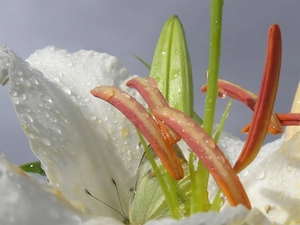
[67, 128]
[143, 121]
[208, 152]
[28, 200]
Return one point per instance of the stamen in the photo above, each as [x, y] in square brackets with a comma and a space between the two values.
[148, 89]
[266, 98]
[144, 122]
[247, 97]
[208, 152]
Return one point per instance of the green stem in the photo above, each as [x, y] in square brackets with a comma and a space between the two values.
[214, 61]
[170, 195]
[222, 122]
[196, 192]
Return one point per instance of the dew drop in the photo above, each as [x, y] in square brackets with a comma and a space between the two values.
[222, 95]
[259, 175]
[23, 96]
[34, 81]
[67, 90]
[85, 100]
[13, 93]
[126, 95]
[57, 130]
[29, 118]
[289, 168]
[88, 83]
[210, 143]
[56, 79]
[105, 118]
[47, 99]
[245, 173]
[93, 117]
[124, 131]
[221, 159]
[146, 115]
[108, 93]
[46, 141]
[192, 125]
[27, 110]
[51, 48]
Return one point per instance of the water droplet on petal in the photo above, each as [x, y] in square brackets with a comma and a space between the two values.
[51, 48]
[57, 130]
[29, 118]
[245, 173]
[105, 118]
[47, 99]
[13, 93]
[124, 131]
[88, 83]
[30, 135]
[46, 141]
[23, 96]
[259, 174]
[34, 81]
[67, 90]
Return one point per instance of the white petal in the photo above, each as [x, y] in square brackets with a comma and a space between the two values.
[82, 141]
[274, 183]
[4, 66]
[25, 200]
[230, 216]
[291, 130]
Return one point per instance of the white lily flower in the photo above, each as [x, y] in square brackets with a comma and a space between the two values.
[84, 142]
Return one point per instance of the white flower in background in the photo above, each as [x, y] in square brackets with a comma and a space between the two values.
[84, 142]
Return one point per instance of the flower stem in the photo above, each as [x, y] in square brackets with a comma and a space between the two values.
[169, 193]
[222, 122]
[213, 67]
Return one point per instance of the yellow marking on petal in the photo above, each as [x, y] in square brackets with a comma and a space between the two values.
[124, 131]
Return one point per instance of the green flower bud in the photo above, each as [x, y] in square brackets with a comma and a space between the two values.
[171, 67]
